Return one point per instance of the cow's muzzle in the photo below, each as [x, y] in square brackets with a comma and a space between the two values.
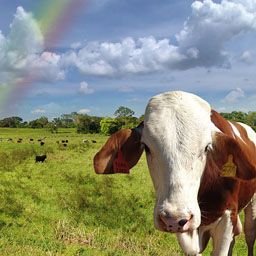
[172, 224]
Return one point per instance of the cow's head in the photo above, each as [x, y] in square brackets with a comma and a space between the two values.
[177, 135]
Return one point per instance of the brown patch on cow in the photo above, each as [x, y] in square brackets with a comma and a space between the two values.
[227, 143]
[221, 123]
[216, 193]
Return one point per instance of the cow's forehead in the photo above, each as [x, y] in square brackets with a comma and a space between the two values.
[179, 98]
[177, 111]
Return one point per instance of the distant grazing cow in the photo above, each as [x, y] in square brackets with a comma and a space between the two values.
[63, 141]
[40, 158]
[64, 144]
[94, 141]
[66, 141]
[203, 169]
[31, 140]
[85, 141]
[10, 140]
[42, 143]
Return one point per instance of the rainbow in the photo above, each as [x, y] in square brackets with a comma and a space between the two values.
[54, 19]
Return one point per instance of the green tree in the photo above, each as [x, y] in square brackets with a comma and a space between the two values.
[67, 120]
[12, 122]
[124, 112]
[39, 123]
[251, 119]
[125, 117]
[109, 125]
[88, 124]
[237, 116]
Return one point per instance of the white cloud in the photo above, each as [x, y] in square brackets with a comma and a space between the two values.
[46, 66]
[85, 89]
[24, 40]
[211, 26]
[128, 56]
[247, 57]
[84, 111]
[22, 53]
[38, 111]
[234, 96]
[25, 36]
[200, 43]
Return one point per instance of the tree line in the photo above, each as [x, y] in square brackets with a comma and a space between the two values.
[83, 123]
[123, 118]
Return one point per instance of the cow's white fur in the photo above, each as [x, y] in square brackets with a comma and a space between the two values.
[235, 131]
[177, 158]
[250, 132]
[221, 231]
[189, 242]
[222, 235]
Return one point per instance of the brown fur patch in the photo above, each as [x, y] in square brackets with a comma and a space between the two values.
[216, 193]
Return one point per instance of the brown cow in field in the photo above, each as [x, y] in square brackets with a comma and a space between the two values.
[203, 168]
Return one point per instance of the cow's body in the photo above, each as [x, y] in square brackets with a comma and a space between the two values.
[221, 199]
[195, 157]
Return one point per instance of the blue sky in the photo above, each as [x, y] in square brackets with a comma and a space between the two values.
[122, 52]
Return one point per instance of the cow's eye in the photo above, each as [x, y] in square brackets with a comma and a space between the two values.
[208, 147]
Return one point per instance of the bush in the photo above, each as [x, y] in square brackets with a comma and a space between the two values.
[88, 124]
[109, 125]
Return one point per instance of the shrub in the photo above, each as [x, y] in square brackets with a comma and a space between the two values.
[109, 125]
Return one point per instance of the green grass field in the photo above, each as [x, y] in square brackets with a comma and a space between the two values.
[61, 207]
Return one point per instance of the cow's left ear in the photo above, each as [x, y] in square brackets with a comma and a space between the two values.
[120, 153]
[234, 158]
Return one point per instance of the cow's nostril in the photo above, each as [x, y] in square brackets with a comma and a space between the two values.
[182, 222]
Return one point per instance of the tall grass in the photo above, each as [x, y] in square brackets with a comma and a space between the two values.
[60, 207]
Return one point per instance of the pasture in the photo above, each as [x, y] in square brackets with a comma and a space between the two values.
[61, 207]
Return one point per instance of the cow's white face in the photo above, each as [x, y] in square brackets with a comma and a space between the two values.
[177, 132]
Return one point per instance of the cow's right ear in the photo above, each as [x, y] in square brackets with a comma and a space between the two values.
[120, 153]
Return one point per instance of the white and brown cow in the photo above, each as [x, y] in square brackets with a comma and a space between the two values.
[203, 168]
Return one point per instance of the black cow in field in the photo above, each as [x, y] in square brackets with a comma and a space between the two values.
[40, 158]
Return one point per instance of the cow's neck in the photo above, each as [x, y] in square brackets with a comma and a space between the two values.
[215, 189]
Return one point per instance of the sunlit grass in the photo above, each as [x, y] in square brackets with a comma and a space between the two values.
[61, 207]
